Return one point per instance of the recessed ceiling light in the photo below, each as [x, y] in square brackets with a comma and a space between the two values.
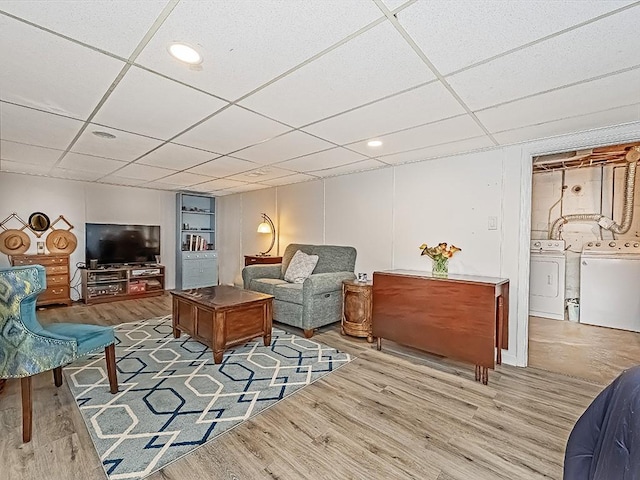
[107, 135]
[374, 143]
[185, 53]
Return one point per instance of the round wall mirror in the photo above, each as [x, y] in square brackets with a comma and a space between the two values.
[39, 222]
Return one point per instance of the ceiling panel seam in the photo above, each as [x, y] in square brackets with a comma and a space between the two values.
[544, 39]
[145, 40]
[394, 21]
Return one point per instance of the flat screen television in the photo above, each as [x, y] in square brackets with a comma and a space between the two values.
[113, 244]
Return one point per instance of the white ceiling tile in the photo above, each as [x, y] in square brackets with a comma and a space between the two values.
[464, 32]
[571, 57]
[289, 179]
[595, 96]
[163, 186]
[75, 174]
[282, 148]
[25, 125]
[184, 179]
[89, 163]
[19, 167]
[134, 105]
[93, 22]
[376, 63]
[176, 157]
[368, 164]
[19, 152]
[144, 172]
[230, 130]
[51, 73]
[126, 146]
[223, 167]
[249, 187]
[116, 180]
[219, 184]
[450, 130]
[393, 4]
[246, 44]
[444, 149]
[614, 116]
[322, 160]
[422, 105]
[261, 175]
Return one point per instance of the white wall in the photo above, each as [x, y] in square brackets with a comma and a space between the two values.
[388, 213]
[81, 203]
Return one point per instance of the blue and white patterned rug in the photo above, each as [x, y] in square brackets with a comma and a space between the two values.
[173, 398]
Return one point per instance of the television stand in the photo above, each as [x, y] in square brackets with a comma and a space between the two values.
[124, 282]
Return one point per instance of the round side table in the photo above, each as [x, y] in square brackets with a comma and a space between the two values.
[357, 306]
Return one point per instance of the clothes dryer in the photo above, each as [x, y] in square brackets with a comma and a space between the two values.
[547, 279]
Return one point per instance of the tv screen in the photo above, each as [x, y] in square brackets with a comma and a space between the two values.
[113, 244]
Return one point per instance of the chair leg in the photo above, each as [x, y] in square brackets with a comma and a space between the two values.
[57, 376]
[110, 354]
[25, 382]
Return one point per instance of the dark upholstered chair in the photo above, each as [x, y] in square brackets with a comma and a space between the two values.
[315, 302]
[605, 441]
[28, 348]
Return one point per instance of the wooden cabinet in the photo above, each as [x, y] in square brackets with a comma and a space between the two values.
[357, 308]
[462, 317]
[261, 260]
[197, 259]
[121, 283]
[57, 267]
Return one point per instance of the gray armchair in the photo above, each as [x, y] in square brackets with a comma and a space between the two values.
[317, 301]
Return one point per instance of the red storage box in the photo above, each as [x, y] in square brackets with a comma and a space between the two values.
[137, 287]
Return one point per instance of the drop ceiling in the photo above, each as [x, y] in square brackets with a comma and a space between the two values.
[291, 91]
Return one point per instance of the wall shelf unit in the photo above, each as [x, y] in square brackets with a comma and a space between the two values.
[197, 259]
[122, 283]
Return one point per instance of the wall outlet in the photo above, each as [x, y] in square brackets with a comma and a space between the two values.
[493, 223]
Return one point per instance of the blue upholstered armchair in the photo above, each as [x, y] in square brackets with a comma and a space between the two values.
[28, 348]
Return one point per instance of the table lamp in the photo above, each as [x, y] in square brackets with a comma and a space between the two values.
[267, 227]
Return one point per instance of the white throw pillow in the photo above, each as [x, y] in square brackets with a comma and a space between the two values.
[300, 267]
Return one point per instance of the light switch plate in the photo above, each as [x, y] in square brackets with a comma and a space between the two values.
[493, 223]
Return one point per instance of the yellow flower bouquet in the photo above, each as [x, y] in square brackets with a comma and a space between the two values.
[440, 255]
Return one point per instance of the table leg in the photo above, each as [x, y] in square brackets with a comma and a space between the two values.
[218, 341]
[379, 344]
[500, 328]
[267, 339]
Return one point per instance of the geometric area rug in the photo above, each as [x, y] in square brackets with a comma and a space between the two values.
[174, 399]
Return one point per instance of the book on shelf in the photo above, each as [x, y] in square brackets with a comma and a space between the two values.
[195, 243]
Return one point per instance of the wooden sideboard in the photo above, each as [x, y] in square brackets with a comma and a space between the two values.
[462, 317]
[57, 267]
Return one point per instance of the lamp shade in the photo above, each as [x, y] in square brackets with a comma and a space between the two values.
[267, 226]
[264, 228]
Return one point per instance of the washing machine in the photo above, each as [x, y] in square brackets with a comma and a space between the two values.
[609, 282]
[547, 278]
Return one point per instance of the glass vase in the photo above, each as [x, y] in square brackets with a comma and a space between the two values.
[440, 267]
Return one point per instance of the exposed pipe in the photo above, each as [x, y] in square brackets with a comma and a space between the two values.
[632, 157]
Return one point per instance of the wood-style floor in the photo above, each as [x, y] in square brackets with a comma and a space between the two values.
[579, 350]
[392, 414]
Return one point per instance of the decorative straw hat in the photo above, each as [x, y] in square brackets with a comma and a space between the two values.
[14, 242]
[61, 241]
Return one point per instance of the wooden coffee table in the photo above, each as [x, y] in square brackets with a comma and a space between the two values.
[222, 316]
